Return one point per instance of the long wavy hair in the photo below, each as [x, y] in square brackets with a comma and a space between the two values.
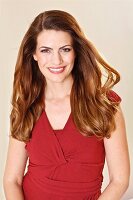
[93, 112]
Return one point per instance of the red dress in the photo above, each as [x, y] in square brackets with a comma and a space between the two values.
[63, 164]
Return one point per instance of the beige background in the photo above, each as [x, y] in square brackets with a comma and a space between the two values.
[107, 23]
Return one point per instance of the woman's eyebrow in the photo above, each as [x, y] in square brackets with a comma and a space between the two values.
[65, 46]
[59, 48]
[45, 47]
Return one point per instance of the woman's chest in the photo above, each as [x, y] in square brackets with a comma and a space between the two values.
[57, 114]
[66, 145]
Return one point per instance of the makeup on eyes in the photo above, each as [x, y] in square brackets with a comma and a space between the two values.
[63, 47]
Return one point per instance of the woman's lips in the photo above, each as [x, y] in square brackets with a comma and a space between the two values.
[56, 70]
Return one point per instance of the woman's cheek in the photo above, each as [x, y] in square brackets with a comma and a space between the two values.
[43, 61]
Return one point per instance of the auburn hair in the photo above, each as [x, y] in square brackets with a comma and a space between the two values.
[93, 112]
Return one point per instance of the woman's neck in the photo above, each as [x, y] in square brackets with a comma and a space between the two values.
[58, 90]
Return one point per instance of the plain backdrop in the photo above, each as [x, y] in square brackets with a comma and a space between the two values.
[107, 23]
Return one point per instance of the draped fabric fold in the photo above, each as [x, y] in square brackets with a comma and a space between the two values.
[63, 165]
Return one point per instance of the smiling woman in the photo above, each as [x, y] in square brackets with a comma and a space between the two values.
[56, 57]
[63, 119]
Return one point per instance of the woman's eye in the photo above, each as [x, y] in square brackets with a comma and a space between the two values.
[45, 51]
[66, 49]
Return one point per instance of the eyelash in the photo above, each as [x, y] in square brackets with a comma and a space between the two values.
[45, 51]
[48, 51]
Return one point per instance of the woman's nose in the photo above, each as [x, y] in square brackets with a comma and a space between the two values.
[56, 58]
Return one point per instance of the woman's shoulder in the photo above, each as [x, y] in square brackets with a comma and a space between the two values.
[113, 96]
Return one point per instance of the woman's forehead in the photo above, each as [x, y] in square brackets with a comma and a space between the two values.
[51, 37]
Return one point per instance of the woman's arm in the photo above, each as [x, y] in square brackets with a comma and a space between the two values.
[14, 170]
[117, 157]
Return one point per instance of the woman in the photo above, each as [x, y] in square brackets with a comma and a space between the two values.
[64, 118]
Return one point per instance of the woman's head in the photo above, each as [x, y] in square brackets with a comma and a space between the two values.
[84, 66]
[49, 20]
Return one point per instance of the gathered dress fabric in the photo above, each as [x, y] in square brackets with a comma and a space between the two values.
[63, 164]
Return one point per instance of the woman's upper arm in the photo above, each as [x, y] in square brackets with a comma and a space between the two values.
[16, 161]
[116, 149]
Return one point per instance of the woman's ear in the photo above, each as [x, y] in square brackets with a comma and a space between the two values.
[35, 57]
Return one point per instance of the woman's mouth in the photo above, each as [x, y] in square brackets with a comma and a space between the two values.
[56, 70]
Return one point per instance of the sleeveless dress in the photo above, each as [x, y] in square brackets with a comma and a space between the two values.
[63, 164]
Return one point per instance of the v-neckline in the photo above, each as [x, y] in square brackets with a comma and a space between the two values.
[65, 126]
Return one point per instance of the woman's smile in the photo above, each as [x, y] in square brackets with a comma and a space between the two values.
[56, 70]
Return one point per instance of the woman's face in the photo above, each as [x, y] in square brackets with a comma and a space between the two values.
[55, 55]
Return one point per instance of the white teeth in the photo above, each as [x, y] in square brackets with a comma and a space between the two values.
[56, 70]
